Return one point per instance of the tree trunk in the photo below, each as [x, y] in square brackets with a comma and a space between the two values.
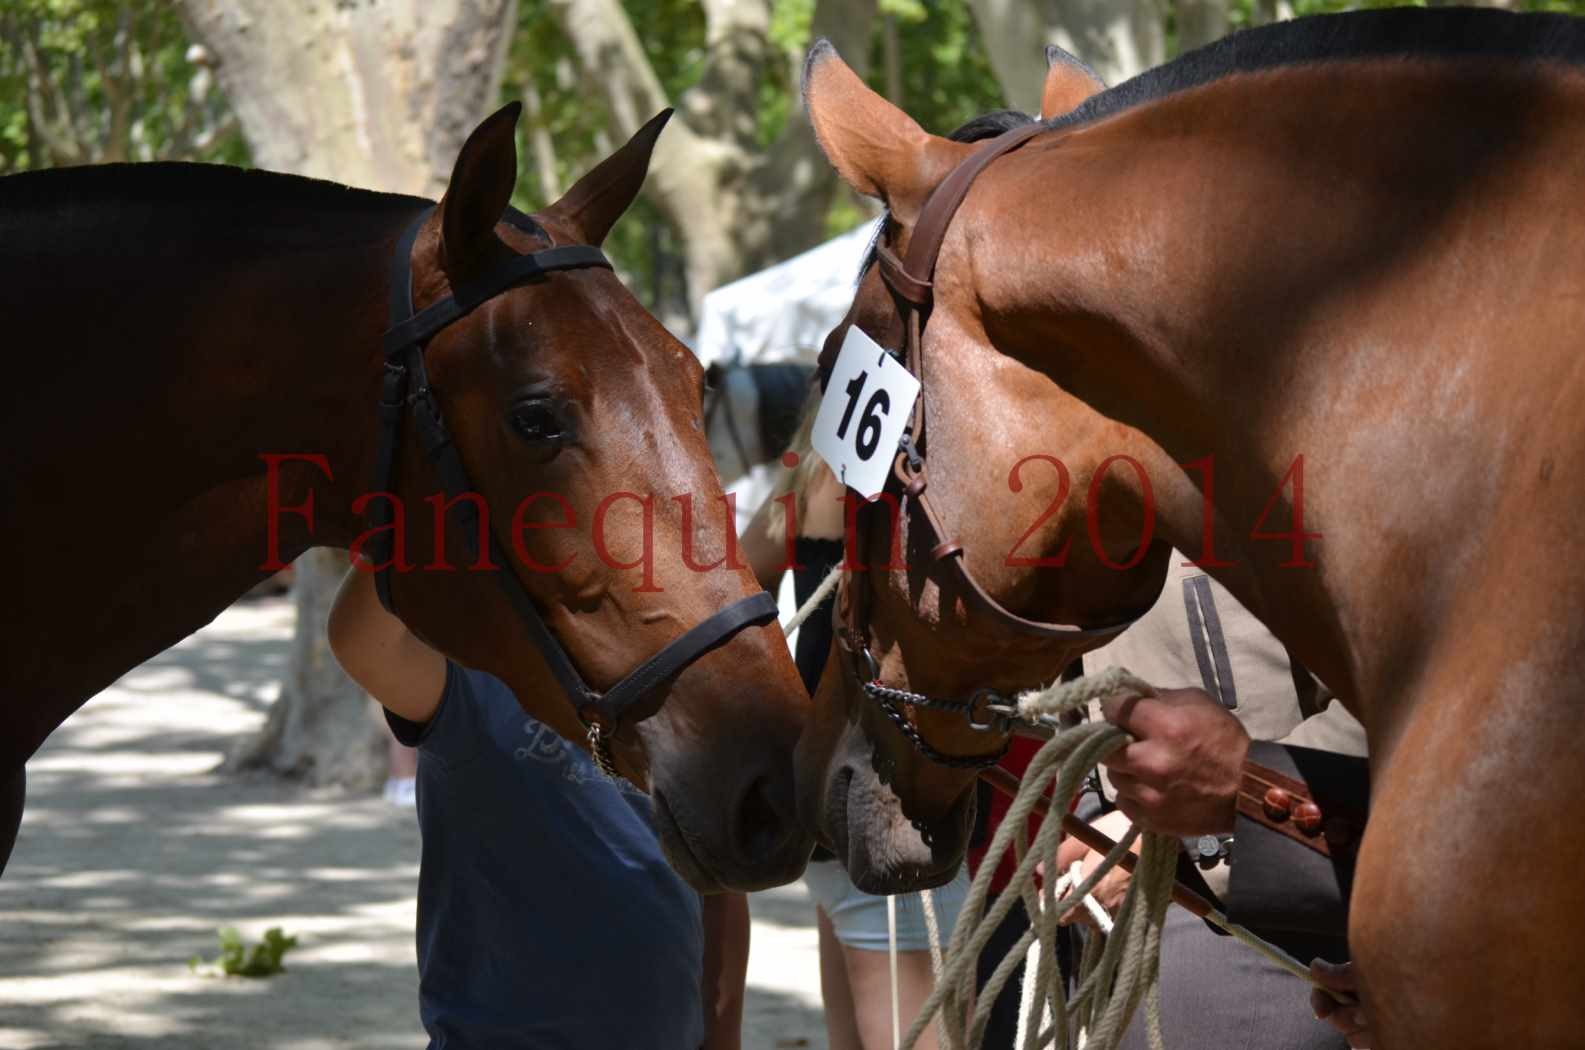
[737, 205]
[1200, 22]
[1272, 11]
[373, 95]
[1118, 38]
[322, 729]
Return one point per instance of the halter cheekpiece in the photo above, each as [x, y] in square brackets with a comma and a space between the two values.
[910, 282]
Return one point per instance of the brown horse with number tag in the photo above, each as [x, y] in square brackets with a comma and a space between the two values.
[192, 389]
[1359, 240]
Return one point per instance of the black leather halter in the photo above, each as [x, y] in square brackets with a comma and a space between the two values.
[407, 384]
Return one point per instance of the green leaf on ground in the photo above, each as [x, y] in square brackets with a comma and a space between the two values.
[236, 959]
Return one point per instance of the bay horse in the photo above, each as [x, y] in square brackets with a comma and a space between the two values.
[1331, 270]
[194, 377]
[896, 803]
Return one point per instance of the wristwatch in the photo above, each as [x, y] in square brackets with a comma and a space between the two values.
[1208, 850]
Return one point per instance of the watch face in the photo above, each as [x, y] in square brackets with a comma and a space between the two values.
[1208, 846]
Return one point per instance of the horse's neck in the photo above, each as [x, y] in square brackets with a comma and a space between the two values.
[159, 378]
[1305, 277]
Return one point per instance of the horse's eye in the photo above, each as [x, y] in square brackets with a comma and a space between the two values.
[538, 422]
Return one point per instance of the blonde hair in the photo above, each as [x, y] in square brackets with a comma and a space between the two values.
[798, 479]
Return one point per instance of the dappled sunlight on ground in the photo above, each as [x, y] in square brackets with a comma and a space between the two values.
[134, 851]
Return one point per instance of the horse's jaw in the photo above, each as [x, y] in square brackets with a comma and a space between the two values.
[883, 848]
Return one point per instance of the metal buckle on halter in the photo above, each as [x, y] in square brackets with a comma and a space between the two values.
[874, 669]
[997, 716]
[906, 445]
[600, 749]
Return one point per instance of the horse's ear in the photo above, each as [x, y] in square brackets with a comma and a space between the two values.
[873, 145]
[597, 200]
[480, 189]
[1068, 83]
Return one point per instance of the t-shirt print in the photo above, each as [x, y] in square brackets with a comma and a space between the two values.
[543, 744]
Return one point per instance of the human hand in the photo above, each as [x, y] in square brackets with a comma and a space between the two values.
[1180, 775]
[1108, 892]
[1349, 1020]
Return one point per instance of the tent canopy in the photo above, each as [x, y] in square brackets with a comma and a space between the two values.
[783, 313]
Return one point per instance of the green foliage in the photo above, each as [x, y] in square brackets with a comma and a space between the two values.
[1242, 12]
[85, 81]
[542, 70]
[942, 77]
[236, 959]
[945, 76]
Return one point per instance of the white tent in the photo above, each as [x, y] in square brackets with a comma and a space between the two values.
[783, 313]
[780, 314]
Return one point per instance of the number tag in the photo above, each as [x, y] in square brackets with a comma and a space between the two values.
[865, 410]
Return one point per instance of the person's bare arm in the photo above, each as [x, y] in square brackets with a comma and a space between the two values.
[767, 549]
[766, 554]
[726, 936]
[378, 652]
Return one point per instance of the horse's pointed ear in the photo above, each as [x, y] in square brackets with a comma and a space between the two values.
[1068, 83]
[873, 145]
[480, 189]
[597, 200]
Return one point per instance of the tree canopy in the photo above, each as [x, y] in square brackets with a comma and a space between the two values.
[92, 81]
[88, 81]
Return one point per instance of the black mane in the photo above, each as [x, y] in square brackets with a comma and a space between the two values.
[119, 202]
[1401, 32]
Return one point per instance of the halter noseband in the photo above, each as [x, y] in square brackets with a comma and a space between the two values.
[406, 383]
[910, 283]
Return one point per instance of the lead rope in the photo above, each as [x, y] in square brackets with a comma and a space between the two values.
[807, 609]
[1115, 972]
[1115, 976]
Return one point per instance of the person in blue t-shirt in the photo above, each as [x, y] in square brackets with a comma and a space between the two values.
[547, 914]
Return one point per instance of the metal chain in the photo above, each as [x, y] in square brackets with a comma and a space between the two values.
[906, 728]
[601, 751]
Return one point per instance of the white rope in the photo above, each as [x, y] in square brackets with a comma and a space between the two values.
[1115, 973]
[1111, 980]
[807, 609]
[1027, 998]
[891, 942]
[932, 930]
[1111, 987]
[1102, 920]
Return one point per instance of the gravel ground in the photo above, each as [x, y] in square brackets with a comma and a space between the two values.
[133, 852]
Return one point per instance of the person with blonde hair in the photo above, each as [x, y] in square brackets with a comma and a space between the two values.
[855, 971]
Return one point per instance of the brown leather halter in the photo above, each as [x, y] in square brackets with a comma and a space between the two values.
[912, 291]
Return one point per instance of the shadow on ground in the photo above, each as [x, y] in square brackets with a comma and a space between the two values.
[134, 851]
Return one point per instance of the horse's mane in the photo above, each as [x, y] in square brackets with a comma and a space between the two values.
[249, 204]
[1383, 34]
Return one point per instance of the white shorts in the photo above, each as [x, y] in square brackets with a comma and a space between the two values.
[859, 918]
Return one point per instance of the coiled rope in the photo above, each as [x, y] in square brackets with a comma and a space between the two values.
[1117, 971]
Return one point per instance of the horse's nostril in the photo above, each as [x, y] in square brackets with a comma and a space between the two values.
[760, 829]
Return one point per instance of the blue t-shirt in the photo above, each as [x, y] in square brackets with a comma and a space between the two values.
[547, 914]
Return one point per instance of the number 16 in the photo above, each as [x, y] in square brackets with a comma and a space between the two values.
[869, 434]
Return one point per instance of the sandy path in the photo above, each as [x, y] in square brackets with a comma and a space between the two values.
[132, 853]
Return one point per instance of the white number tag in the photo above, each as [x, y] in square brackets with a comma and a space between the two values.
[865, 410]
